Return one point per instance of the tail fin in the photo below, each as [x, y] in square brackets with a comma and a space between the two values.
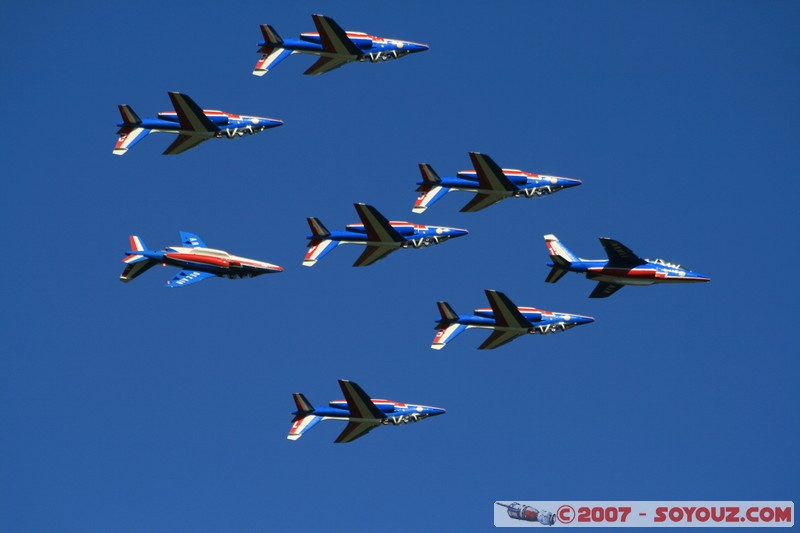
[136, 244]
[130, 131]
[430, 189]
[135, 264]
[558, 252]
[304, 420]
[320, 244]
[272, 51]
[447, 328]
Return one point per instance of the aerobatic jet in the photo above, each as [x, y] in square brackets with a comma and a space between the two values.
[334, 46]
[379, 235]
[361, 413]
[196, 261]
[506, 320]
[192, 124]
[623, 267]
[489, 182]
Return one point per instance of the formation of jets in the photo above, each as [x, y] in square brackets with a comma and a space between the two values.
[380, 236]
[335, 47]
[192, 124]
[196, 261]
[361, 413]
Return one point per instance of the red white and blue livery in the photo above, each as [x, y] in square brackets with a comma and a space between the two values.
[623, 267]
[196, 261]
[379, 235]
[489, 182]
[192, 124]
[333, 45]
[361, 413]
[506, 320]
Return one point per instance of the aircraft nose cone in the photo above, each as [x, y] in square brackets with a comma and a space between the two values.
[433, 411]
[457, 232]
[584, 320]
[571, 182]
[418, 47]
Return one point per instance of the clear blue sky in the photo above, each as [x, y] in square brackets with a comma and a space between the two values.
[130, 407]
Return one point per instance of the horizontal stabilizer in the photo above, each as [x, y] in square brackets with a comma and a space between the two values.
[325, 64]
[128, 137]
[318, 250]
[446, 334]
[270, 35]
[128, 115]
[187, 277]
[301, 424]
[190, 115]
[358, 402]
[604, 290]
[318, 229]
[269, 59]
[135, 268]
[446, 311]
[556, 273]
[355, 430]
[302, 402]
[429, 176]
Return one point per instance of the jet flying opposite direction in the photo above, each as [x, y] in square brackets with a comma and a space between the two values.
[361, 413]
[506, 320]
[379, 235]
[197, 262]
[623, 267]
[192, 124]
[489, 182]
[334, 46]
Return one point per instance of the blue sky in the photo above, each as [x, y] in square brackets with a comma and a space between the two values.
[129, 407]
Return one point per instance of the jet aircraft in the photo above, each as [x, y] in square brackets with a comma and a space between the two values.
[192, 124]
[334, 46]
[489, 182]
[196, 261]
[379, 235]
[623, 267]
[361, 413]
[506, 320]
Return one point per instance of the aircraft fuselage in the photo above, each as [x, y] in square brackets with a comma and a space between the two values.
[648, 274]
[215, 262]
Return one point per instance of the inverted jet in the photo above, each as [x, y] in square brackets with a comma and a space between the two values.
[334, 46]
[506, 320]
[623, 267]
[489, 182]
[361, 413]
[196, 261]
[380, 236]
[192, 124]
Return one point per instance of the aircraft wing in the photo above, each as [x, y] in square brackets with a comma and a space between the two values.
[183, 143]
[481, 201]
[333, 37]
[187, 277]
[358, 403]
[377, 227]
[192, 240]
[355, 430]
[506, 313]
[372, 254]
[499, 338]
[325, 64]
[620, 255]
[604, 290]
[190, 115]
[490, 175]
